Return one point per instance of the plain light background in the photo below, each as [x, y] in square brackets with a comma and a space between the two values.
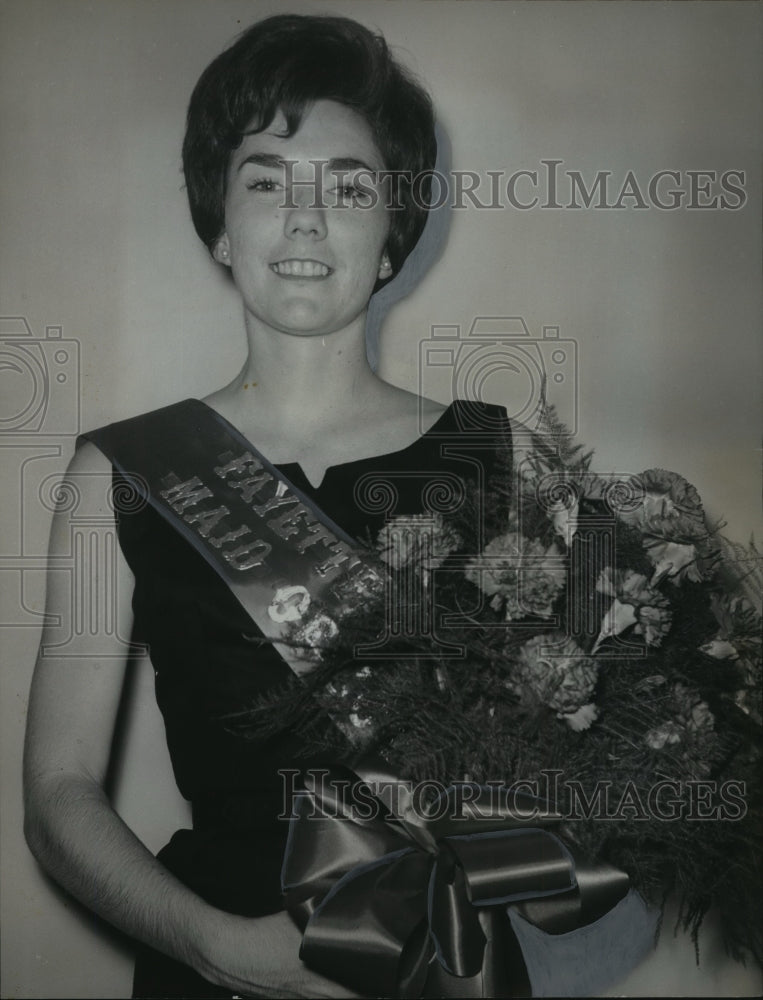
[664, 306]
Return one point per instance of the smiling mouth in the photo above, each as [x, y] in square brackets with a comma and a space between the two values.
[296, 268]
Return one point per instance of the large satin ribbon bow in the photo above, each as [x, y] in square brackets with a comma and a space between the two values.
[379, 889]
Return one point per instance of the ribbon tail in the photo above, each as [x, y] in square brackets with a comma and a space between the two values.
[458, 937]
[503, 972]
[371, 928]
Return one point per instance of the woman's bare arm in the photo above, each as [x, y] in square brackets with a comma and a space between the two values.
[76, 835]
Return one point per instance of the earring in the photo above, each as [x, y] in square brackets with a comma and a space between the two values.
[385, 265]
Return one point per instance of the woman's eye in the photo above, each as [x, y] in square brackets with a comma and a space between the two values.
[352, 193]
[264, 184]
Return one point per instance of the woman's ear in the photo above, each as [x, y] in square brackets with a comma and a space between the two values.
[221, 250]
[385, 267]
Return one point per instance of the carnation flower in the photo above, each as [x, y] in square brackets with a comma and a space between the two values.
[653, 623]
[693, 715]
[664, 501]
[554, 670]
[739, 635]
[670, 517]
[423, 541]
[635, 603]
[521, 573]
[720, 649]
[673, 560]
[585, 716]
[661, 736]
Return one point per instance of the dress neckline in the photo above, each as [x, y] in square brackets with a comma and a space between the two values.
[331, 469]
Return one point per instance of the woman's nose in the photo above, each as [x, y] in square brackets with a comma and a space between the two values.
[306, 216]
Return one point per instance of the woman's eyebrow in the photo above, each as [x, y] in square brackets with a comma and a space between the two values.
[273, 160]
[263, 160]
[349, 163]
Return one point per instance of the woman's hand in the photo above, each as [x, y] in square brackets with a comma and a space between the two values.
[261, 956]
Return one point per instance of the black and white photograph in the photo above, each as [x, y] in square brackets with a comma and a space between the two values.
[380, 557]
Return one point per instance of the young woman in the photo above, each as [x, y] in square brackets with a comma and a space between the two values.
[289, 134]
[295, 136]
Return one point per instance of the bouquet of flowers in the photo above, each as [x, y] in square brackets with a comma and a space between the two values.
[590, 638]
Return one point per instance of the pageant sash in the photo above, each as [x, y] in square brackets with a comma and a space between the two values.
[291, 568]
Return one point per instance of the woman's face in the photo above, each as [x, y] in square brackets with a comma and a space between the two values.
[304, 244]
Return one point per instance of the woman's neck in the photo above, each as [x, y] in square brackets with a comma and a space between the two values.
[298, 379]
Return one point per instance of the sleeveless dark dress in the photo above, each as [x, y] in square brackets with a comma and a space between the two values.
[208, 666]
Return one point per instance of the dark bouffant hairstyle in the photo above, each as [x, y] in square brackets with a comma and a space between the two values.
[285, 63]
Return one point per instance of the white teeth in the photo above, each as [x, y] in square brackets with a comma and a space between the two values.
[301, 268]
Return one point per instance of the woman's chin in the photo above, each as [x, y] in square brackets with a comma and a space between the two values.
[305, 320]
